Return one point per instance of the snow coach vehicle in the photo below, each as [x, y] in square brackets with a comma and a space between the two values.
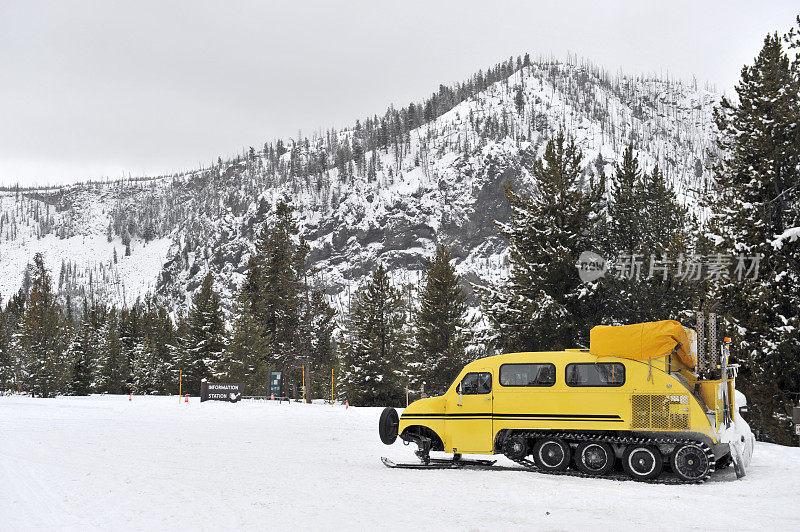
[637, 398]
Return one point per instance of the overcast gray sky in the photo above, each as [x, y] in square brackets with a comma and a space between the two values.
[94, 89]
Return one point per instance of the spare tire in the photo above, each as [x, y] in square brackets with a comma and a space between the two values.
[388, 424]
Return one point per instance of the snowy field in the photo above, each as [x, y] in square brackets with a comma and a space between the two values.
[107, 463]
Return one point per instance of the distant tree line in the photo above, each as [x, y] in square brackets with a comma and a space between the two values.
[279, 323]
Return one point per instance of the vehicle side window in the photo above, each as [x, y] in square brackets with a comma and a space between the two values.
[475, 384]
[527, 374]
[600, 374]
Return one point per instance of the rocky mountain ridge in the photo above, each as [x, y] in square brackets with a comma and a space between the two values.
[387, 190]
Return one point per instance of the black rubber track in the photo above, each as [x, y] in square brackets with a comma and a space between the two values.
[529, 465]
[622, 440]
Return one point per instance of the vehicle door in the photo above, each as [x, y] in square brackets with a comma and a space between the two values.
[469, 414]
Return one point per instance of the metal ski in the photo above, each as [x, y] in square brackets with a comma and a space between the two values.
[419, 465]
[439, 463]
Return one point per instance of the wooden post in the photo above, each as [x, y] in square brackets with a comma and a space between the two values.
[180, 385]
[304, 384]
[331, 386]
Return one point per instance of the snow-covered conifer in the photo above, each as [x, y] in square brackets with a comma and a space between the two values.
[440, 325]
[756, 213]
[40, 338]
[543, 304]
[374, 349]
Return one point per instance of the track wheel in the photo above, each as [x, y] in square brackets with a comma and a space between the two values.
[594, 458]
[551, 454]
[642, 462]
[515, 447]
[690, 462]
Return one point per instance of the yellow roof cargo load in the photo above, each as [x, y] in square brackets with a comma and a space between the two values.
[643, 341]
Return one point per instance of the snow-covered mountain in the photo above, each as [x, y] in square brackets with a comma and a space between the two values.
[380, 191]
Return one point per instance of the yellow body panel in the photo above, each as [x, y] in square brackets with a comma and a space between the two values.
[650, 400]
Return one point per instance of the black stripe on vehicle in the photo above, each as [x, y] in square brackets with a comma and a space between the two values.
[568, 416]
[558, 419]
[565, 417]
[445, 416]
[458, 414]
[450, 418]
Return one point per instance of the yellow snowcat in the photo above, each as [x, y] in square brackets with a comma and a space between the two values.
[639, 398]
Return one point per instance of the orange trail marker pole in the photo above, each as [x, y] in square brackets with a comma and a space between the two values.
[130, 397]
[346, 404]
[187, 397]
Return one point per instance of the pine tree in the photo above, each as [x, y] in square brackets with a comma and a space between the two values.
[650, 230]
[12, 318]
[80, 353]
[543, 304]
[519, 99]
[440, 324]
[375, 345]
[283, 285]
[179, 355]
[40, 338]
[6, 370]
[112, 372]
[296, 323]
[320, 324]
[245, 358]
[148, 370]
[627, 217]
[154, 338]
[130, 334]
[69, 316]
[756, 212]
[253, 287]
[162, 334]
[278, 293]
[98, 315]
[205, 337]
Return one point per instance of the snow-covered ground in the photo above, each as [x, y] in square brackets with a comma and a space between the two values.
[108, 463]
